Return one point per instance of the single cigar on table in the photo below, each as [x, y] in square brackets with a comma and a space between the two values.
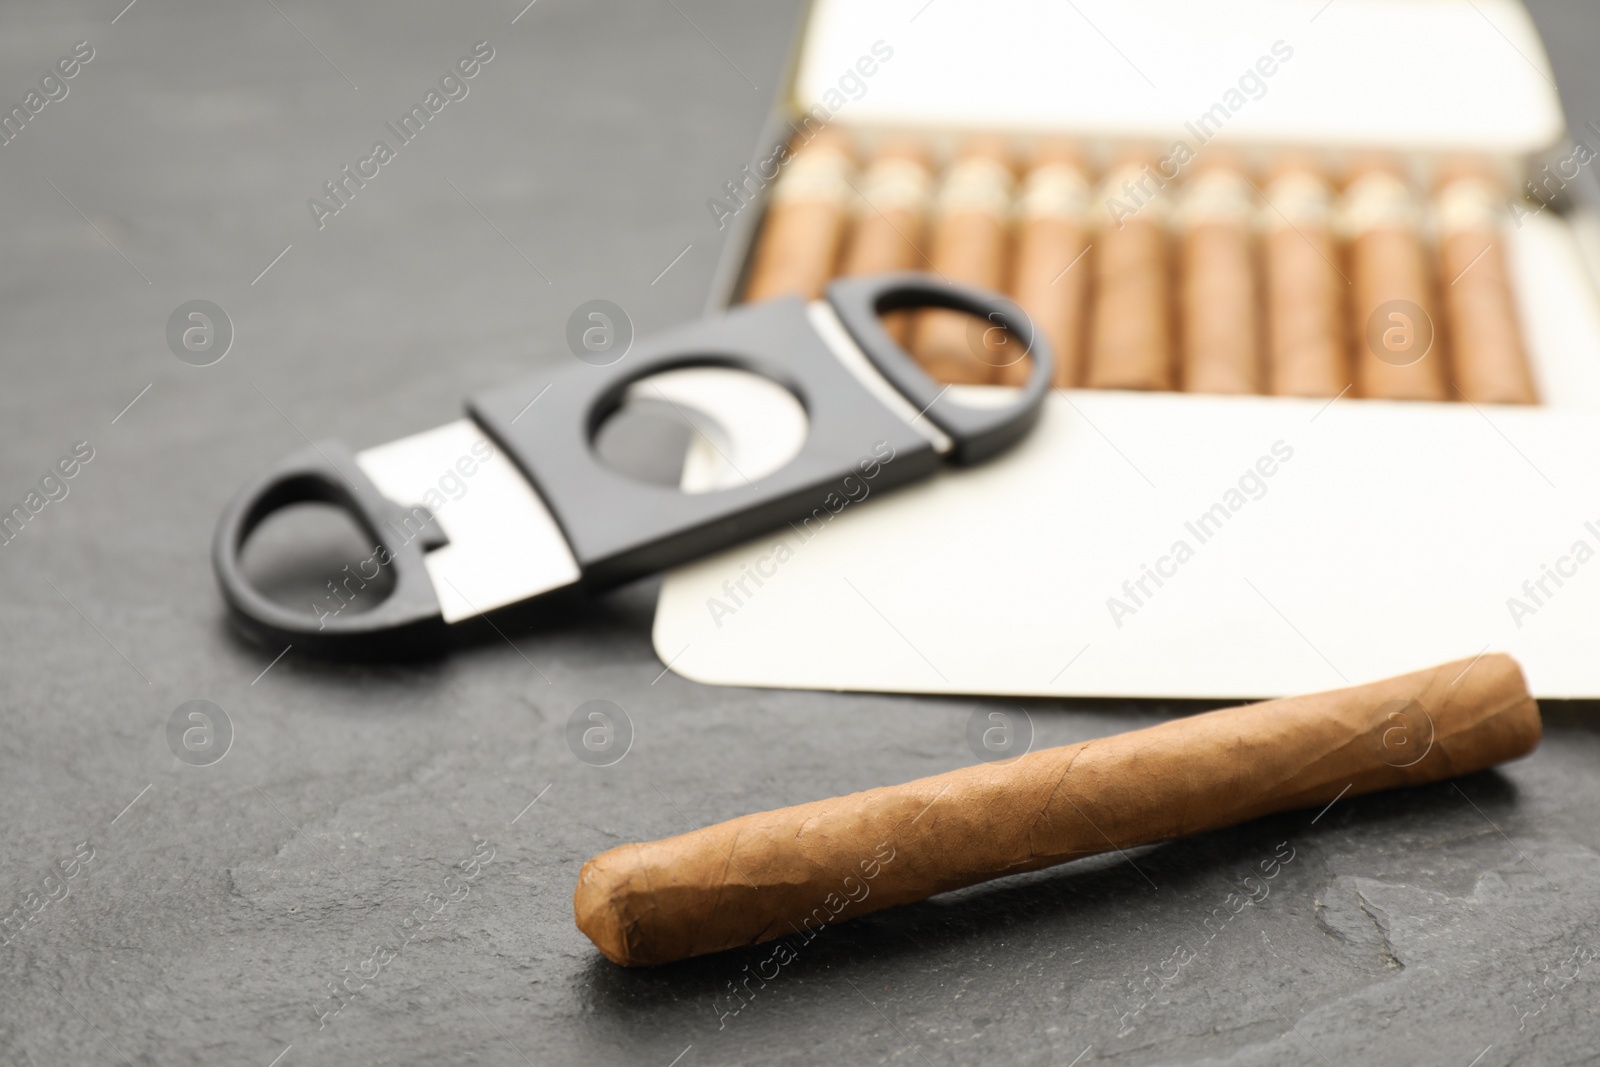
[1394, 329]
[1307, 354]
[1488, 358]
[1130, 345]
[1049, 279]
[971, 231]
[891, 214]
[794, 870]
[1217, 272]
[799, 243]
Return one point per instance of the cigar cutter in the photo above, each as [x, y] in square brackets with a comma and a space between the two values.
[794, 405]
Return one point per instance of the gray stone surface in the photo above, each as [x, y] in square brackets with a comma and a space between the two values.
[1432, 926]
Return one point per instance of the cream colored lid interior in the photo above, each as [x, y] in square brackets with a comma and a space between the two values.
[1405, 75]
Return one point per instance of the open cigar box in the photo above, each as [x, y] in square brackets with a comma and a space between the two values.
[1156, 542]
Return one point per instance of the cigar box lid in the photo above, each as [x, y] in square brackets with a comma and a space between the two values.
[1097, 560]
[1407, 75]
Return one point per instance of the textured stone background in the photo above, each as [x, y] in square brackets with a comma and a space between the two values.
[1421, 927]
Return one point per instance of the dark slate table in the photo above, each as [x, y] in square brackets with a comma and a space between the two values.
[201, 914]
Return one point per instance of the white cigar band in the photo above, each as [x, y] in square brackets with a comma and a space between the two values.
[1298, 198]
[896, 185]
[1055, 191]
[1378, 201]
[977, 184]
[1469, 205]
[1146, 201]
[1216, 196]
[815, 177]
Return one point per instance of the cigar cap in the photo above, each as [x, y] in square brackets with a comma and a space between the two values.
[1300, 198]
[1378, 196]
[819, 172]
[1367, 163]
[1215, 160]
[597, 908]
[1470, 195]
[1470, 169]
[902, 148]
[1469, 204]
[1298, 193]
[1296, 162]
[980, 180]
[1134, 159]
[828, 139]
[897, 179]
[1217, 194]
[1134, 185]
[1056, 185]
[988, 146]
[1051, 151]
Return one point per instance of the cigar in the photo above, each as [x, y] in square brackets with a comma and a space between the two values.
[972, 222]
[1130, 345]
[1307, 355]
[1049, 279]
[799, 243]
[890, 219]
[1488, 358]
[794, 870]
[1394, 328]
[1218, 283]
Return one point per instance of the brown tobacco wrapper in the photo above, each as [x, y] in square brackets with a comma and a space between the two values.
[891, 214]
[790, 871]
[890, 219]
[1130, 343]
[1490, 363]
[800, 238]
[1049, 279]
[972, 229]
[1399, 354]
[1217, 269]
[1307, 355]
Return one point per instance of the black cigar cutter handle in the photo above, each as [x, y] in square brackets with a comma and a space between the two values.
[618, 528]
[975, 433]
[326, 472]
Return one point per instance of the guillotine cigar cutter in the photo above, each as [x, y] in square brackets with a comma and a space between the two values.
[801, 395]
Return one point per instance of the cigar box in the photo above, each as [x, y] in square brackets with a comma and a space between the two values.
[1178, 545]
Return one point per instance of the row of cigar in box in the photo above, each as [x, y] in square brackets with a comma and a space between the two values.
[1219, 278]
